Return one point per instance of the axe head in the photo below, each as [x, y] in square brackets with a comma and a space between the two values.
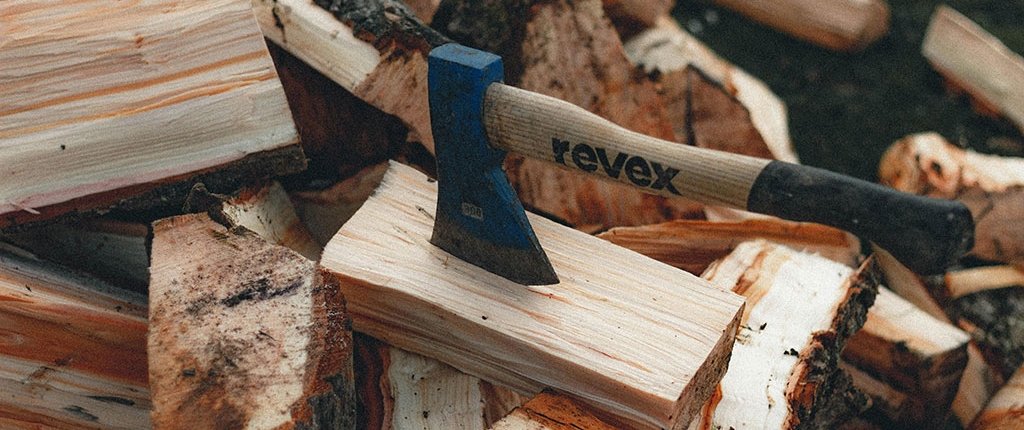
[479, 219]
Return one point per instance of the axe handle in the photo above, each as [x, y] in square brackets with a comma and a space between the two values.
[925, 234]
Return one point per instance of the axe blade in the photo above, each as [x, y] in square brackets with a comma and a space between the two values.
[479, 219]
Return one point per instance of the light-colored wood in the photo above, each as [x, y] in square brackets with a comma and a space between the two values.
[668, 50]
[72, 349]
[692, 245]
[928, 164]
[243, 333]
[801, 308]
[268, 211]
[842, 25]
[975, 61]
[1005, 411]
[427, 393]
[969, 281]
[979, 383]
[324, 212]
[550, 411]
[579, 336]
[915, 354]
[100, 97]
[527, 123]
[907, 284]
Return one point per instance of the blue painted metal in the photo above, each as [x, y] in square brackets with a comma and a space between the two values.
[479, 218]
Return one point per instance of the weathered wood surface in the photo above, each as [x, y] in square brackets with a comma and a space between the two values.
[910, 353]
[992, 188]
[1005, 411]
[551, 411]
[801, 310]
[711, 102]
[244, 333]
[72, 349]
[842, 25]
[976, 62]
[578, 336]
[267, 210]
[156, 92]
[692, 245]
[969, 281]
[324, 212]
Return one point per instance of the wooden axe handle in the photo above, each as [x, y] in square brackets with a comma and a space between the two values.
[926, 234]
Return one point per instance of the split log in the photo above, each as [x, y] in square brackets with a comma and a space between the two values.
[991, 187]
[973, 60]
[267, 211]
[244, 333]
[550, 411]
[979, 384]
[415, 391]
[910, 353]
[324, 212]
[112, 250]
[133, 102]
[1006, 409]
[969, 281]
[712, 103]
[841, 25]
[578, 336]
[72, 349]
[692, 245]
[374, 49]
[801, 309]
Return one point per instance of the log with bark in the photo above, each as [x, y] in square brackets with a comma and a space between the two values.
[842, 25]
[72, 349]
[112, 106]
[908, 362]
[579, 336]
[244, 333]
[974, 61]
[801, 310]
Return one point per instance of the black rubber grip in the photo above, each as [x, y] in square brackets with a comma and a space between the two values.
[926, 234]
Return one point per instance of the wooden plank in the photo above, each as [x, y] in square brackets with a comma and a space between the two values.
[801, 309]
[975, 61]
[154, 92]
[842, 25]
[579, 336]
[919, 356]
[244, 333]
[72, 349]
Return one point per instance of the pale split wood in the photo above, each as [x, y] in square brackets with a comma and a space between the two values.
[960, 283]
[907, 284]
[268, 211]
[921, 357]
[72, 349]
[977, 62]
[692, 245]
[1005, 411]
[243, 333]
[324, 212]
[668, 50]
[100, 97]
[551, 411]
[979, 383]
[842, 25]
[928, 164]
[801, 309]
[630, 337]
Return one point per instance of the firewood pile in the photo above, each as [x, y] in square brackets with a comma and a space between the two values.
[217, 214]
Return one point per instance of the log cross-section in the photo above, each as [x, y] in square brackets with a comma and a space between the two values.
[633, 338]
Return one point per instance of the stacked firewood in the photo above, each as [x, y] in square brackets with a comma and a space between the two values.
[216, 214]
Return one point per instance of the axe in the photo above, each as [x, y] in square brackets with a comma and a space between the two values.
[476, 119]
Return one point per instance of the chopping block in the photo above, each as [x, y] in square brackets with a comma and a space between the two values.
[640, 342]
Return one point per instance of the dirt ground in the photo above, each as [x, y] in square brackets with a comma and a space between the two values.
[846, 109]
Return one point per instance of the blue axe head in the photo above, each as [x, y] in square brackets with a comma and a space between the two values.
[479, 219]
